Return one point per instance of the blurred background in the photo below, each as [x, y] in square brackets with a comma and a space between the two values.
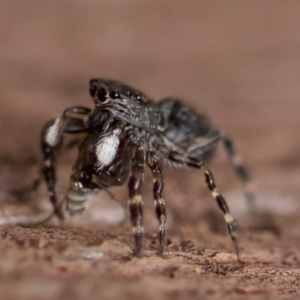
[239, 61]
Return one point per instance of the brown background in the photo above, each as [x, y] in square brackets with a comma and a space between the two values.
[237, 60]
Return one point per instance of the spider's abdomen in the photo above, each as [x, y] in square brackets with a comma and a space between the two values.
[190, 131]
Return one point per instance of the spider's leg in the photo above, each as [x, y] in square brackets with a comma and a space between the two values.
[237, 161]
[77, 199]
[195, 163]
[135, 200]
[240, 167]
[221, 203]
[51, 139]
[159, 203]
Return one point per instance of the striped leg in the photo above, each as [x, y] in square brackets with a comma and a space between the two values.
[135, 200]
[78, 199]
[159, 203]
[50, 178]
[221, 203]
[51, 138]
[195, 163]
[237, 161]
[240, 168]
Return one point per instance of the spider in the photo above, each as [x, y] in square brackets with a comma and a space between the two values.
[124, 133]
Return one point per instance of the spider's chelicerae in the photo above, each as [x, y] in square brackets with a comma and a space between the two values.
[124, 133]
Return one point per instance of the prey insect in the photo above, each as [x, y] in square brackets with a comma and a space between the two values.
[126, 132]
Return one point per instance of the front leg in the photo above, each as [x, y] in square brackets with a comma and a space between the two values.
[135, 200]
[51, 139]
[159, 203]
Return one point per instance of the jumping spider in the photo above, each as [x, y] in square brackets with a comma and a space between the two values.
[125, 132]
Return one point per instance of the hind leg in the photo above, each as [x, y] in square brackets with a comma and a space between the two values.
[240, 168]
[195, 163]
[203, 149]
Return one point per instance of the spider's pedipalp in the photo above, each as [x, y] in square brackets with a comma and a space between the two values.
[51, 138]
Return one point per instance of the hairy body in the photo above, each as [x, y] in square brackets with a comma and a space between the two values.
[125, 132]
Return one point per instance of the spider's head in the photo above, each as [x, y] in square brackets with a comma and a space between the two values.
[122, 101]
[109, 92]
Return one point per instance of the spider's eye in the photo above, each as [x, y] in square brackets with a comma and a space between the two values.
[138, 97]
[129, 94]
[93, 90]
[114, 94]
[84, 175]
[101, 95]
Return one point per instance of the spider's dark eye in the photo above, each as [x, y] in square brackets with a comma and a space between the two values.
[138, 97]
[101, 95]
[129, 94]
[84, 175]
[93, 90]
[114, 94]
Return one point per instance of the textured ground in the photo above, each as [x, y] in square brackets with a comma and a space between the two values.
[239, 61]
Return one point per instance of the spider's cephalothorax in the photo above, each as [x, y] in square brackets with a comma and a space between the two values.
[125, 132]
